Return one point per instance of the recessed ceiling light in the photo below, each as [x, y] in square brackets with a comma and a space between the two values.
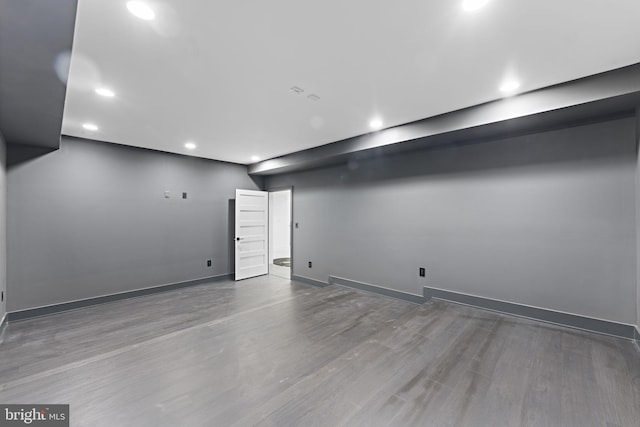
[375, 124]
[103, 91]
[90, 126]
[470, 5]
[509, 87]
[190, 146]
[141, 10]
[255, 158]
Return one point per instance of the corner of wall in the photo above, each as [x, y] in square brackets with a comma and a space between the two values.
[638, 220]
[3, 228]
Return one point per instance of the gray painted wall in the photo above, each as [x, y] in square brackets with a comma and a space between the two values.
[91, 219]
[638, 214]
[547, 220]
[3, 225]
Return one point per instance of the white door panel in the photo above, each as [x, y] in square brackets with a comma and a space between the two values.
[251, 233]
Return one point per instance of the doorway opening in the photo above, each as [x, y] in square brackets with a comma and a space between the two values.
[280, 209]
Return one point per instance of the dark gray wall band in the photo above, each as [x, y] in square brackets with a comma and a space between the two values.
[392, 293]
[563, 319]
[309, 281]
[58, 308]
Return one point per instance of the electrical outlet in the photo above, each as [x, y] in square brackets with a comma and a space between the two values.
[309, 264]
[184, 195]
[423, 272]
[208, 263]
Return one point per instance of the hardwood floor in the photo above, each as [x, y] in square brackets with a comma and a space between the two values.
[272, 352]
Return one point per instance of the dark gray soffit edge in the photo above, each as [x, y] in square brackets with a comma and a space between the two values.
[392, 293]
[151, 150]
[35, 36]
[309, 281]
[549, 316]
[18, 154]
[608, 94]
[73, 305]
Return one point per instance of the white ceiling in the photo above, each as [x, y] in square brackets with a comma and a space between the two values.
[219, 73]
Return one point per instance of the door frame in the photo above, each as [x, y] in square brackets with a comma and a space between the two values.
[291, 227]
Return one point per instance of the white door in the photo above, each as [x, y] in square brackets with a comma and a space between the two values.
[251, 233]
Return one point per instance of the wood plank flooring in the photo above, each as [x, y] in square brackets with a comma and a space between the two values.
[273, 352]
